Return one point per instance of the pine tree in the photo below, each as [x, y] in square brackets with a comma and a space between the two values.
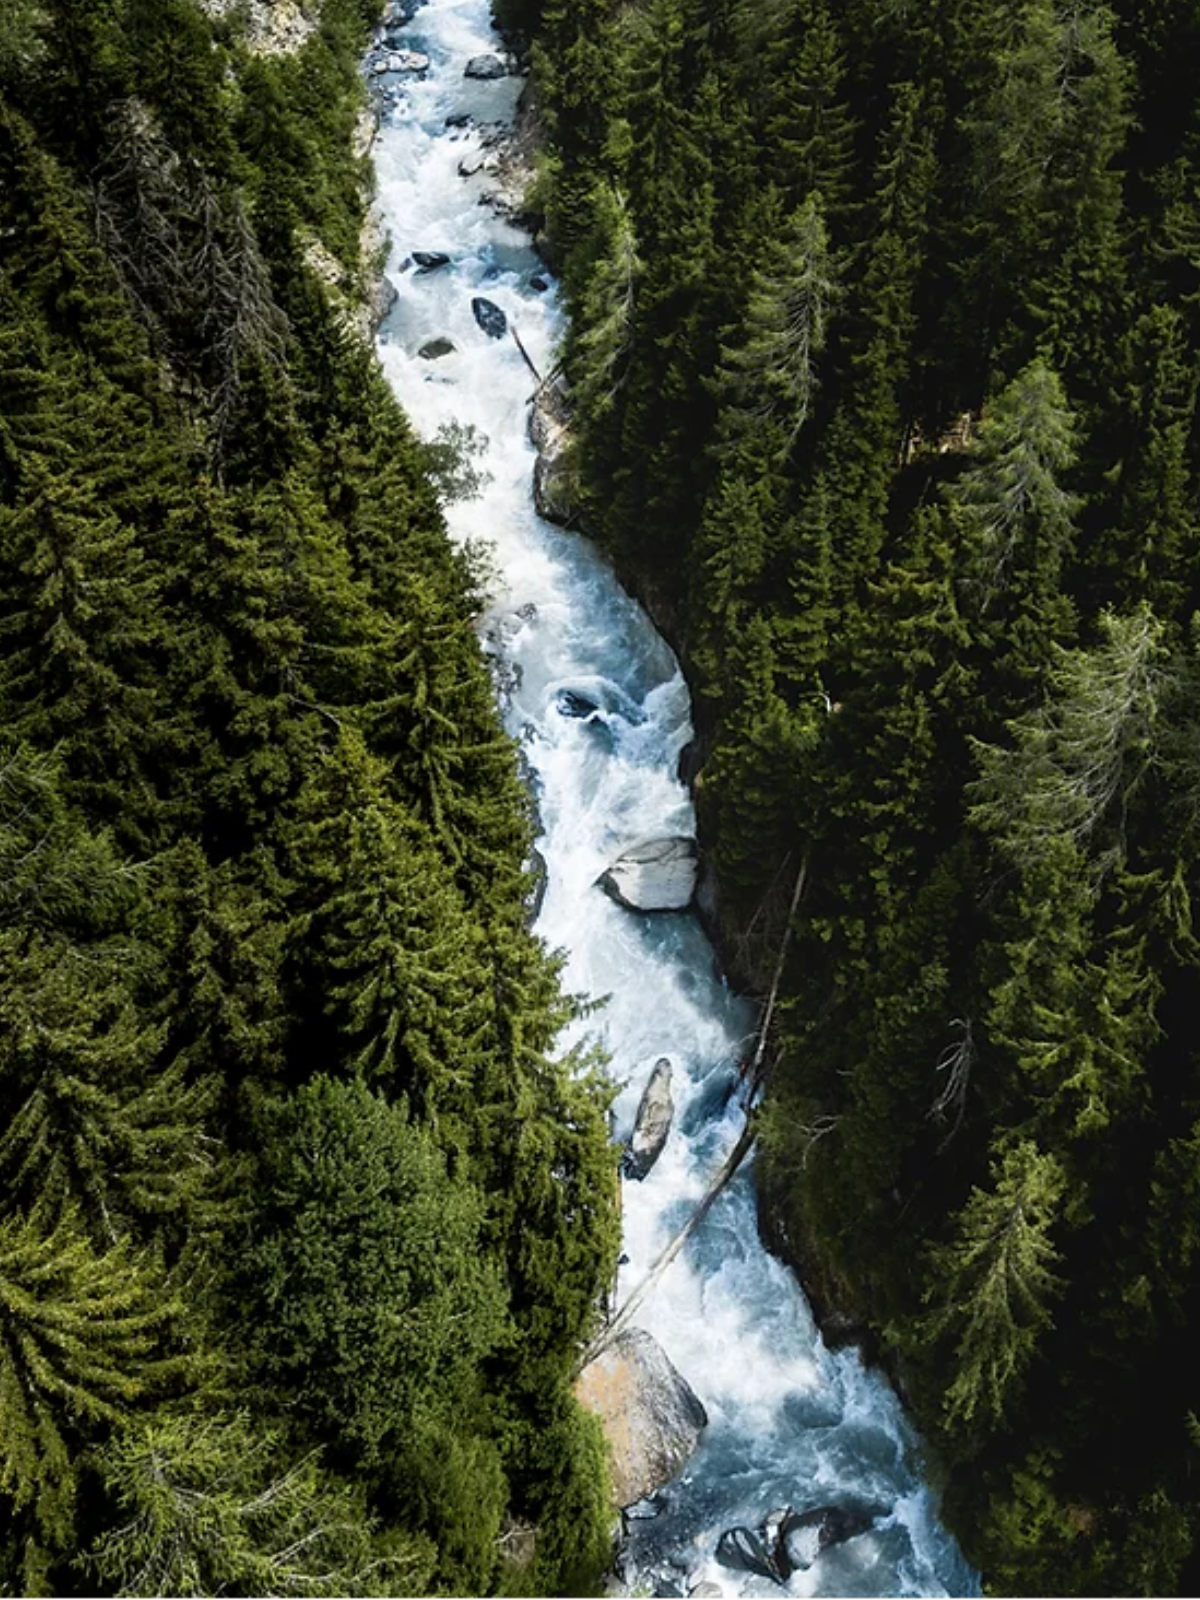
[769, 375]
[100, 1125]
[84, 1339]
[993, 1286]
[809, 145]
[214, 1504]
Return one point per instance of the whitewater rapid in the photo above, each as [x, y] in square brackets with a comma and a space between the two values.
[790, 1422]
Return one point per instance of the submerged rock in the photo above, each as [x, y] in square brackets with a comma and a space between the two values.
[788, 1541]
[652, 1125]
[803, 1535]
[478, 161]
[408, 61]
[435, 349]
[651, 1417]
[570, 703]
[485, 67]
[489, 317]
[430, 260]
[655, 875]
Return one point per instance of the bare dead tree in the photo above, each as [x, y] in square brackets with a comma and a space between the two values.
[188, 260]
[954, 1068]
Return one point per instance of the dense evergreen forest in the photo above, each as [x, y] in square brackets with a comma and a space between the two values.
[884, 361]
[301, 1225]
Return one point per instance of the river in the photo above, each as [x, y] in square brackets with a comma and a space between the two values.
[790, 1422]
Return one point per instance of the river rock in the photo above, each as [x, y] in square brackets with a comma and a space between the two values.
[790, 1541]
[655, 875]
[489, 317]
[538, 877]
[458, 119]
[652, 1124]
[651, 1417]
[430, 260]
[707, 1590]
[504, 628]
[435, 349]
[383, 297]
[803, 1535]
[745, 1550]
[570, 703]
[538, 283]
[477, 162]
[485, 67]
[555, 486]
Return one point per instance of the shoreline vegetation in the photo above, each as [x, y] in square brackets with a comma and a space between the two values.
[301, 1226]
[882, 392]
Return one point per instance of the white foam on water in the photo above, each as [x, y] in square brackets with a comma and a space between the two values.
[790, 1422]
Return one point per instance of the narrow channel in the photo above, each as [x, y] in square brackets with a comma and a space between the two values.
[601, 710]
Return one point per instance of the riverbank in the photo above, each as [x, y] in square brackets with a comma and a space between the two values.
[597, 701]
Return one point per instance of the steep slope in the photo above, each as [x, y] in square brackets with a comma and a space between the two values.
[883, 368]
[301, 1226]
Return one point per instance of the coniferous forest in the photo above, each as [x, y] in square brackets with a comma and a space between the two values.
[301, 1225]
[883, 365]
[884, 362]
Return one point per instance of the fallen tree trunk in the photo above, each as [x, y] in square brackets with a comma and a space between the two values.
[732, 1162]
[752, 1075]
[512, 328]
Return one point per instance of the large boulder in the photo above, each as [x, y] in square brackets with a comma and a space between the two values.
[652, 1123]
[384, 295]
[430, 260]
[435, 349]
[489, 317]
[488, 66]
[651, 1417]
[655, 875]
[555, 487]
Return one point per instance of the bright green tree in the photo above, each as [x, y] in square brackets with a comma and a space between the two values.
[85, 1339]
[364, 1291]
[994, 1284]
[216, 1504]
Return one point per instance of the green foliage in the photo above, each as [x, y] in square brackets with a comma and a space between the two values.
[84, 1338]
[364, 1290]
[261, 879]
[891, 417]
[212, 1505]
[995, 1282]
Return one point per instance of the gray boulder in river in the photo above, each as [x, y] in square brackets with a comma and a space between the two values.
[651, 1417]
[555, 486]
[435, 349]
[485, 67]
[489, 317]
[655, 875]
[652, 1123]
